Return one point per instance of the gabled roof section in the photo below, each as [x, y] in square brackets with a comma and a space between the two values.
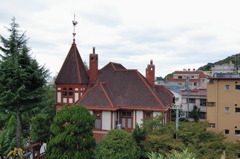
[98, 96]
[73, 70]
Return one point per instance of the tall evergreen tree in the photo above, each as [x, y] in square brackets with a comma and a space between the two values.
[22, 80]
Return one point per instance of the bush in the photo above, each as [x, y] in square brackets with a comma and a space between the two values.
[117, 144]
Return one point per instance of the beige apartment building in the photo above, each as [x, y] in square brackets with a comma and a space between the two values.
[223, 105]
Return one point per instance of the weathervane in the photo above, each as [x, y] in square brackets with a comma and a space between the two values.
[74, 25]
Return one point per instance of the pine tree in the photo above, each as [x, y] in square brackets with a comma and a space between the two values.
[72, 135]
[22, 80]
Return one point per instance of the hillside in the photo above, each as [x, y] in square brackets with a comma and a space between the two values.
[234, 58]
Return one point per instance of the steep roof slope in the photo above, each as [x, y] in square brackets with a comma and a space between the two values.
[73, 70]
[126, 89]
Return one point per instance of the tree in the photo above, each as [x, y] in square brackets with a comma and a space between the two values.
[8, 137]
[72, 135]
[195, 113]
[139, 136]
[40, 128]
[192, 136]
[118, 144]
[22, 80]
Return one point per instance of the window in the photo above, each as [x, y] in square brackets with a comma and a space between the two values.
[227, 109]
[194, 83]
[98, 120]
[237, 87]
[237, 109]
[176, 99]
[126, 120]
[148, 115]
[226, 131]
[202, 115]
[64, 92]
[70, 93]
[212, 125]
[227, 87]
[203, 102]
[179, 77]
[237, 132]
[192, 100]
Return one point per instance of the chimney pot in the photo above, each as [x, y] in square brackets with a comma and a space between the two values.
[93, 50]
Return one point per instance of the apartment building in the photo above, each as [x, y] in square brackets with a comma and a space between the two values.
[223, 105]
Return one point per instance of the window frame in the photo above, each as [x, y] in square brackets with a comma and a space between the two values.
[227, 109]
[95, 112]
[237, 132]
[227, 87]
[237, 87]
[226, 131]
[237, 108]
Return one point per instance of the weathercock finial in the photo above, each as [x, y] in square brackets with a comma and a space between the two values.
[74, 25]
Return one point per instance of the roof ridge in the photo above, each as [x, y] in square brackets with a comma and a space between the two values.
[87, 92]
[154, 95]
[77, 64]
[107, 96]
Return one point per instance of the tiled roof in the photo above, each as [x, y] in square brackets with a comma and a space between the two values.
[118, 87]
[73, 70]
[200, 73]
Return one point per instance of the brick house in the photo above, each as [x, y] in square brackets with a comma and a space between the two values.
[118, 97]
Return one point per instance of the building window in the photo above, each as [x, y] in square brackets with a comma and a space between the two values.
[237, 132]
[237, 87]
[98, 119]
[227, 109]
[179, 77]
[192, 100]
[203, 102]
[237, 109]
[64, 92]
[226, 131]
[176, 99]
[147, 115]
[227, 87]
[202, 115]
[212, 125]
[126, 120]
[194, 83]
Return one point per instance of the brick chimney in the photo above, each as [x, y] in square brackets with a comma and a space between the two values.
[150, 73]
[93, 68]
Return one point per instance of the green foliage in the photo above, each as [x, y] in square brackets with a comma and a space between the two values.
[192, 136]
[139, 136]
[153, 126]
[175, 155]
[40, 128]
[22, 80]
[234, 59]
[117, 144]
[195, 113]
[72, 135]
[7, 137]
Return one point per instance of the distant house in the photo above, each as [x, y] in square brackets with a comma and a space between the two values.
[118, 97]
[197, 97]
[225, 68]
[194, 78]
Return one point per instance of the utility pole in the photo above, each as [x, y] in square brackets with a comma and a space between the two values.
[187, 88]
[177, 117]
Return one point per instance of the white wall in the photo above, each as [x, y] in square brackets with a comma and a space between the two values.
[106, 120]
[139, 117]
[156, 113]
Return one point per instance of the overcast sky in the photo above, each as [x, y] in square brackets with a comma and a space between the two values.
[175, 34]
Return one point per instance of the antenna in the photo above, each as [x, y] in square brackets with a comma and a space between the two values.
[74, 25]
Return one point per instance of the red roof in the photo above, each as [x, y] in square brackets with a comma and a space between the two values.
[73, 70]
[200, 73]
[125, 89]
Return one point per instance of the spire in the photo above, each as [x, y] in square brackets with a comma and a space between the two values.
[74, 25]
